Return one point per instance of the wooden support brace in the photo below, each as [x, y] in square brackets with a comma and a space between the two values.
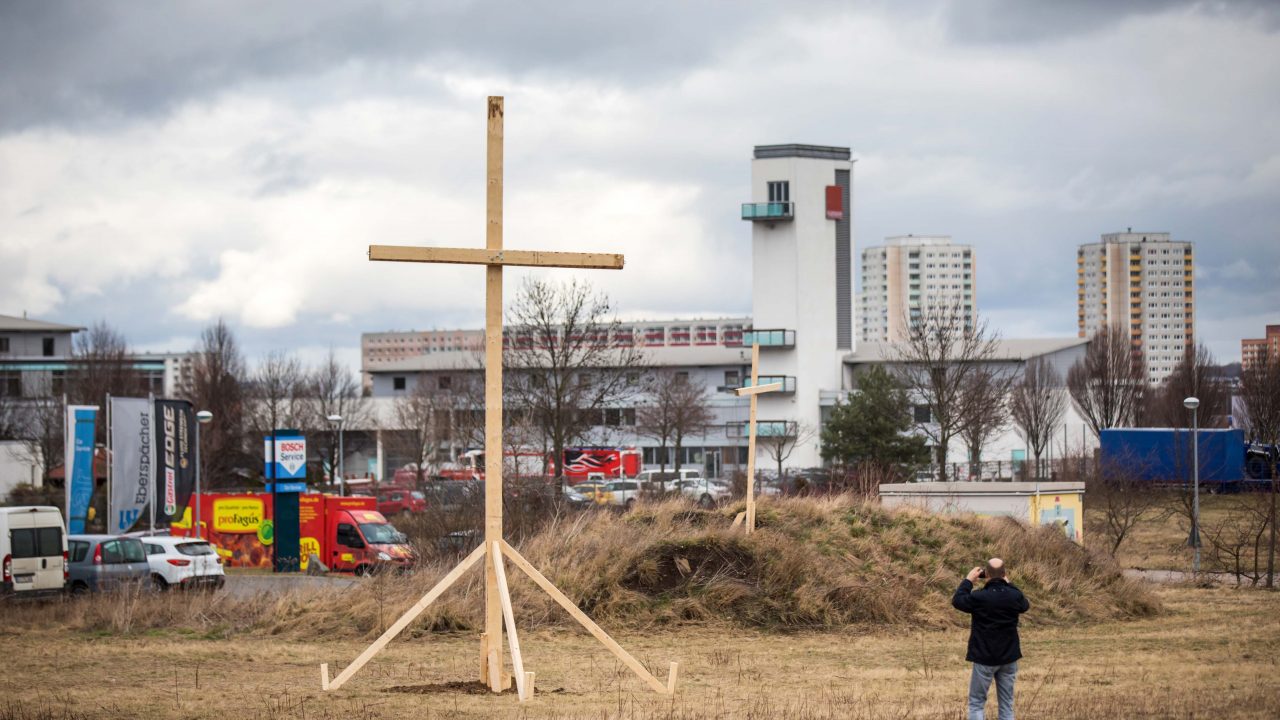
[403, 622]
[528, 683]
[324, 676]
[576, 613]
[671, 678]
[737, 520]
[508, 614]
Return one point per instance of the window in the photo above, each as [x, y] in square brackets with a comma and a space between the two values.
[397, 383]
[131, 550]
[682, 376]
[111, 552]
[48, 347]
[4, 345]
[153, 549]
[732, 379]
[444, 382]
[77, 550]
[920, 413]
[11, 384]
[348, 536]
[780, 191]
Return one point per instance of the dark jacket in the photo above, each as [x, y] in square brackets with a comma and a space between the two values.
[993, 633]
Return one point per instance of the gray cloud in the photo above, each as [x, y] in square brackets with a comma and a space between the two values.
[1030, 21]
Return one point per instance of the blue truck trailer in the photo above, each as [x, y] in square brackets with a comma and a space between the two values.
[1163, 455]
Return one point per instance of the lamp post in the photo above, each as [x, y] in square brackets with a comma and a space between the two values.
[204, 417]
[1191, 404]
[336, 420]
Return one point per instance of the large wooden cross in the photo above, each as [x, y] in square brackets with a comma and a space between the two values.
[754, 390]
[498, 607]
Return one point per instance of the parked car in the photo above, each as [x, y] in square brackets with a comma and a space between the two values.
[182, 562]
[401, 501]
[99, 563]
[452, 496]
[621, 493]
[592, 490]
[705, 491]
[34, 551]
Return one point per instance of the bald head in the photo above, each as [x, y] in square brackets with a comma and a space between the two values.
[995, 569]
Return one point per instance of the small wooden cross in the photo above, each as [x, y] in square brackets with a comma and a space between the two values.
[753, 390]
[497, 597]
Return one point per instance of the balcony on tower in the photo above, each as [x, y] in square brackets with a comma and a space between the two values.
[769, 338]
[788, 382]
[768, 211]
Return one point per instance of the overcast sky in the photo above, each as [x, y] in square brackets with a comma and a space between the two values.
[164, 164]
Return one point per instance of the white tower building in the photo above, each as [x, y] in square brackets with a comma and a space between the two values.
[802, 287]
[908, 275]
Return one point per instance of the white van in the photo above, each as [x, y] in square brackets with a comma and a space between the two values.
[33, 545]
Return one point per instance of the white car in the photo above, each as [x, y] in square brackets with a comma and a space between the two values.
[621, 493]
[705, 492]
[182, 562]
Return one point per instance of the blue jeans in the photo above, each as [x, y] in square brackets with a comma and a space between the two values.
[980, 683]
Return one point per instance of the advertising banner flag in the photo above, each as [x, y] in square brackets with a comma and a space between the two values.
[132, 460]
[175, 458]
[78, 464]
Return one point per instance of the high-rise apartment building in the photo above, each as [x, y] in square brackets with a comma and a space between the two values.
[384, 349]
[1141, 282]
[907, 276]
[1259, 350]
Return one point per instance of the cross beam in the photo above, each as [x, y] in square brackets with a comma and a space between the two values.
[753, 391]
[499, 257]
[497, 597]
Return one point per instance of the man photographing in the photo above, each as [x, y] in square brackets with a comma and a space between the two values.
[993, 636]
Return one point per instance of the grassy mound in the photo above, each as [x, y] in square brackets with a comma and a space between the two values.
[812, 563]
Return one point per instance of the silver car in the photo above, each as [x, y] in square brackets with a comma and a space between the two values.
[98, 563]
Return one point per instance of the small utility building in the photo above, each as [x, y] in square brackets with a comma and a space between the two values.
[1046, 503]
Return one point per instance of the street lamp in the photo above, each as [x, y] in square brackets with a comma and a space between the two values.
[1191, 404]
[336, 420]
[204, 417]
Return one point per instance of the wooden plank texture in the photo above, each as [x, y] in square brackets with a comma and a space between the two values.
[496, 256]
[586, 622]
[493, 389]
[405, 619]
[508, 613]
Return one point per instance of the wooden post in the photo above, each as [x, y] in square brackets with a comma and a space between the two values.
[517, 662]
[493, 386]
[497, 602]
[753, 391]
[576, 613]
[404, 620]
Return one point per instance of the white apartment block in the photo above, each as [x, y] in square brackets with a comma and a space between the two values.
[1141, 282]
[906, 277]
[383, 349]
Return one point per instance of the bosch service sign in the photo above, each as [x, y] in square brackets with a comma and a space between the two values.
[290, 456]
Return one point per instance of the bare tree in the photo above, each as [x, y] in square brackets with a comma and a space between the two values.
[678, 409]
[1119, 501]
[1037, 404]
[936, 363]
[1260, 397]
[276, 388]
[1107, 384]
[779, 445]
[985, 403]
[39, 425]
[562, 368]
[422, 425]
[328, 390]
[1195, 375]
[101, 366]
[217, 385]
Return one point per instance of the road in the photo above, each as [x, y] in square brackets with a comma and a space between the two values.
[239, 585]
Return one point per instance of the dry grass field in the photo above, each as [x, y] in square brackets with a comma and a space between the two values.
[1210, 653]
[833, 609]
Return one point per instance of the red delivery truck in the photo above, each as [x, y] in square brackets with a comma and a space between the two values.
[347, 533]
